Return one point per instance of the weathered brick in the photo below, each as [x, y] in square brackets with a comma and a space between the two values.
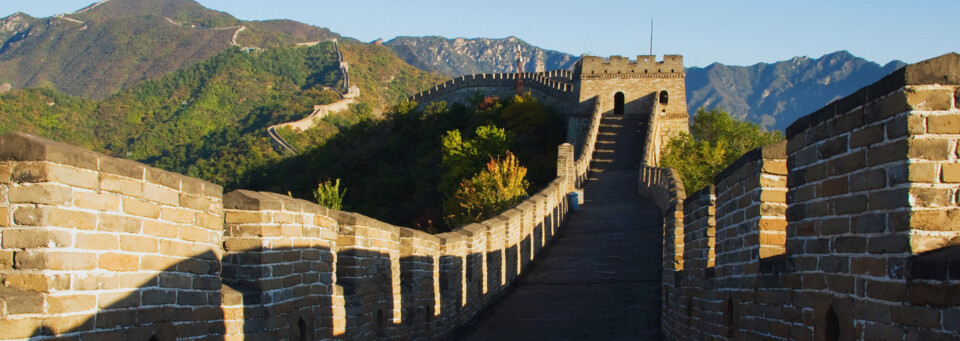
[868, 180]
[116, 223]
[833, 147]
[71, 304]
[28, 238]
[158, 263]
[916, 316]
[141, 208]
[889, 152]
[834, 187]
[29, 281]
[850, 245]
[162, 177]
[868, 223]
[950, 173]
[96, 201]
[138, 243]
[44, 193]
[113, 261]
[920, 172]
[209, 221]
[6, 259]
[24, 328]
[943, 124]
[176, 248]
[159, 229]
[775, 166]
[5, 218]
[893, 198]
[97, 241]
[935, 220]
[72, 219]
[930, 197]
[54, 260]
[31, 216]
[161, 194]
[866, 136]
[33, 172]
[850, 205]
[177, 215]
[890, 105]
[929, 149]
[246, 217]
[121, 185]
[847, 163]
[929, 99]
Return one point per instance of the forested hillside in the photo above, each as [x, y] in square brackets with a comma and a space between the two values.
[97, 51]
[405, 168]
[209, 120]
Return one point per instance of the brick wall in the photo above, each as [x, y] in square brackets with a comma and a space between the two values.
[846, 232]
[97, 245]
[94, 246]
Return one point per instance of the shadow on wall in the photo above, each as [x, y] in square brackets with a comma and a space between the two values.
[367, 302]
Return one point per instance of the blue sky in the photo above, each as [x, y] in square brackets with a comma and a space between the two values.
[733, 32]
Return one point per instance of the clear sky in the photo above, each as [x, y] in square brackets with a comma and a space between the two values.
[735, 32]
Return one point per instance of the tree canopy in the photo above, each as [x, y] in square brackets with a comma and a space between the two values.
[716, 140]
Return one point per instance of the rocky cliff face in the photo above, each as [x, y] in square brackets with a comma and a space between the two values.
[455, 57]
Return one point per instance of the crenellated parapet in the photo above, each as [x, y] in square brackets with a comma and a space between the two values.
[645, 66]
[555, 84]
[93, 246]
[844, 231]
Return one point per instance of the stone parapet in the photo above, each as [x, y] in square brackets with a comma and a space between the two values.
[844, 231]
[97, 247]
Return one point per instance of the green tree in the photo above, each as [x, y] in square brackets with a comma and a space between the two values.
[329, 195]
[461, 159]
[715, 141]
[498, 187]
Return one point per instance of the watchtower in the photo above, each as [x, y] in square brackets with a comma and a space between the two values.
[640, 87]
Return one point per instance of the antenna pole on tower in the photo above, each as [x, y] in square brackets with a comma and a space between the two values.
[651, 36]
[519, 71]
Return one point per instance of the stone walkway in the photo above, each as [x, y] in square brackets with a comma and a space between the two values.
[600, 279]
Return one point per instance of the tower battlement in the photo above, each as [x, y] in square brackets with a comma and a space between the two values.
[590, 66]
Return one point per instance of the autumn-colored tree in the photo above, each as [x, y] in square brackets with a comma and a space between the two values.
[498, 187]
[463, 157]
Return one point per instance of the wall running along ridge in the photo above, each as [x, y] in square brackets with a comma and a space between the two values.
[847, 230]
[94, 246]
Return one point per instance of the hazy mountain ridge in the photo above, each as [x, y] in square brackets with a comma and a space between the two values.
[460, 56]
[116, 44]
[776, 94]
[770, 94]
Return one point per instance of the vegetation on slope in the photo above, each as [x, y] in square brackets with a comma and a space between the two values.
[390, 165]
[716, 141]
[208, 120]
[120, 43]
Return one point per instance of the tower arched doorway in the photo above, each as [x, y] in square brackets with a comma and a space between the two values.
[618, 103]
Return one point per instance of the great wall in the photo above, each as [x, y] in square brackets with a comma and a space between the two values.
[845, 231]
[321, 110]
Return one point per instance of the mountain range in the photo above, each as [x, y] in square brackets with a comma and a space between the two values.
[112, 45]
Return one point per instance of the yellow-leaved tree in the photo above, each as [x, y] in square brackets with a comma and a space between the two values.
[491, 191]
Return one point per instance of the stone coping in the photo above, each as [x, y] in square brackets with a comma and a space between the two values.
[776, 150]
[16, 146]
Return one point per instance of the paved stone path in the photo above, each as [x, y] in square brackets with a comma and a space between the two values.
[600, 279]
